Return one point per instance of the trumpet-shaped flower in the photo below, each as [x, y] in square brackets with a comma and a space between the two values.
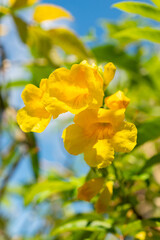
[97, 134]
[78, 88]
[33, 117]
[94, 187]
[66, 90]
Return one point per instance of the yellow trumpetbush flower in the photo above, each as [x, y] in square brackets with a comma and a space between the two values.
[117, 100]
[33, 117]
[102, 204]
[66, 90]
[98, 133]
[97, 186]
[90, 189]
[109, 72]
[78, 88]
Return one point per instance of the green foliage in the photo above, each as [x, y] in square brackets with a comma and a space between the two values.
[142, 9]
[148, 131]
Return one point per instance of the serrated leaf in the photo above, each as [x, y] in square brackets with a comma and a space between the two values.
[45, 12]
[21, 28]
[69, 42]
[148, 131]
[139, 8]
[145, 33]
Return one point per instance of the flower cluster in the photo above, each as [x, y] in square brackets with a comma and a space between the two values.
[99, 129]
[97, 132]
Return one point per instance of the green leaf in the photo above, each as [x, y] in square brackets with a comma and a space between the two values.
[152, 161]
[148, 131]
[21, 28]
[142, 9]
[19, 83]
[111, 53]
[69, 42]
[82, 225]
[157, 3]
[146, 33]
[17, 4]
[45, 189]
[136, 226]
[33, 154]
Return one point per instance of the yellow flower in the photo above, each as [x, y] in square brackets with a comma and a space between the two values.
[33, 117]
[97, 134]
[78, 88]
[66, 90]
[97, 186]
[117, 100]
[109, 72]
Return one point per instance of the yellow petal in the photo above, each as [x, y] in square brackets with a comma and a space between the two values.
[117, 101]
[125, 139]
[101, 115]
[29, 123]
[90, 189]
[75, 141]
[43, 84]
[82, 87]
[109, 72]
[115, 117]
[100, 155]
[45, 12]
[32, 98]
[102, 204]
[53, 106]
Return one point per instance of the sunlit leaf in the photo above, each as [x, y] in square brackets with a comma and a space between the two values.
[16, 4]
[45, 12]
[39, 41]
[148, 131]
[21, 26]
[157, 3]
[4, 11]
[69, 42]
[142, 9]
[146, 33]
[82, 225]
[43, 190]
